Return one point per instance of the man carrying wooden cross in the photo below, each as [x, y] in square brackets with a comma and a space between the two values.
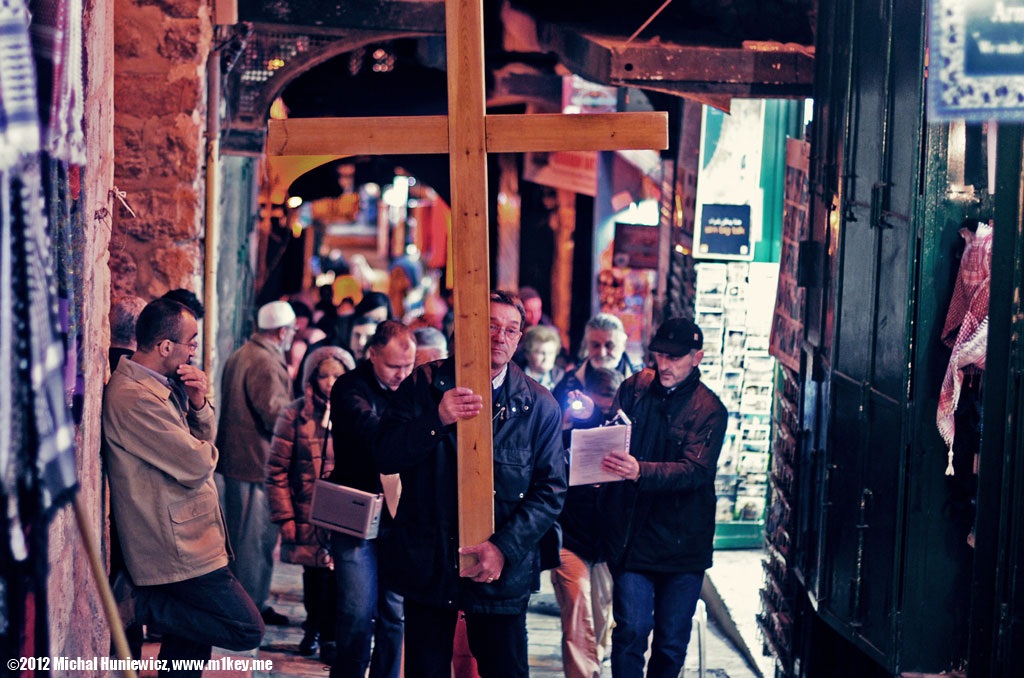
[418, 440]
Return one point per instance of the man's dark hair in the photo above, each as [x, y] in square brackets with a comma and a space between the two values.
[161, 319]
[188, 299]
[388, 330]
[509, 299]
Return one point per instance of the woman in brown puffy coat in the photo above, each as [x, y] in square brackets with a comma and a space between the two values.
[300, 446]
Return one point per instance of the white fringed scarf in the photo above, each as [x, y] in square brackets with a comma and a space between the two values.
[19, 119]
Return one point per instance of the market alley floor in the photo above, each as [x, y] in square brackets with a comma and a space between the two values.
[740, 572]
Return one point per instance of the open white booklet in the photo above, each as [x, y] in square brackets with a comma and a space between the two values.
[589, 446]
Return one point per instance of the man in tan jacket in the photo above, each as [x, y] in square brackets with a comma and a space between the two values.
[158, 430]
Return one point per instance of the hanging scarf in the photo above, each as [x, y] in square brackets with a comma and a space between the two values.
[57, 43]
[19, 121]
[37, 463]
[966, 328]
[51, 422]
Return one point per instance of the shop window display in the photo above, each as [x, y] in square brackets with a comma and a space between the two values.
[737, 322]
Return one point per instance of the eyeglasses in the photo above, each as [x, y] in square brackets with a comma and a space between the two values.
[192, 345]
[506, 333]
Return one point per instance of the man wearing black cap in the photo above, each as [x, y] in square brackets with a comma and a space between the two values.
[661, 519]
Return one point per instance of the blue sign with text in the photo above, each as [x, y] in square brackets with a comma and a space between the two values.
[724, 232]
[977, 64]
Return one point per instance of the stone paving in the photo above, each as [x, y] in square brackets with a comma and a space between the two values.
[280, 644]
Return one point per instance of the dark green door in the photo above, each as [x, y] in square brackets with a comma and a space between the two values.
[888, 565]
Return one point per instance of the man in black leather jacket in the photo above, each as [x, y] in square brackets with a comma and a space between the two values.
[660, 522]
[417, 439]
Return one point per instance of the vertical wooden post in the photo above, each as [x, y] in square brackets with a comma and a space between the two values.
[563, 222]
[509, 216]
[467, 147]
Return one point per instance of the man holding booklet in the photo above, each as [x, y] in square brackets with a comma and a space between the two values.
[660, 522]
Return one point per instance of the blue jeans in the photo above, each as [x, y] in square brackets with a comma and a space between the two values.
[366, 610]
[196, 614]
[646, 601]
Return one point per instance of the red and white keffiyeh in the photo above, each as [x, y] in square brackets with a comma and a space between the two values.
[966, 327]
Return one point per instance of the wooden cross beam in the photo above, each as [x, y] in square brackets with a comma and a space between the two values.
[467, 134]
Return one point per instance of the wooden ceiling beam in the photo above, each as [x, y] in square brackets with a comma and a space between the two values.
[504, 134]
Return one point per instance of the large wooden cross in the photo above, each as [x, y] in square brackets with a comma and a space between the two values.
[467, 134]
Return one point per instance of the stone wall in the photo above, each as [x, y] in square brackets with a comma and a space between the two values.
[144, 121]
[77, 627]
[160, 53]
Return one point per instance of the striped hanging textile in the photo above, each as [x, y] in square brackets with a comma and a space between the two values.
[19, 120]
[19, 135]
[37, 464]
[37, 456]
[11, 463]
[50, 426]
[57, 43]
[37, 461]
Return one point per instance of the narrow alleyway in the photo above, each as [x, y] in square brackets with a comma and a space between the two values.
[280, 643]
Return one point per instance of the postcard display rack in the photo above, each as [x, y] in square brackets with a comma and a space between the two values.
[736, 322]
[775, 618]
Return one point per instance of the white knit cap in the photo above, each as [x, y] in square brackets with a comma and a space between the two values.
[275, 314]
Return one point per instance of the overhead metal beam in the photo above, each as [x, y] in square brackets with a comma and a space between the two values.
[756, 69]
[715, 69]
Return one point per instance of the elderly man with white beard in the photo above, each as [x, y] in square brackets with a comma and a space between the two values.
[604, 345]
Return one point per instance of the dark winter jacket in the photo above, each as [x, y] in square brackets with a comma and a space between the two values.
[358, 401]
[300, 440]
[665, 521]
[580, 520]
[421, 552]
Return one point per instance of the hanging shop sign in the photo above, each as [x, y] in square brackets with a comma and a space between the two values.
[724, 233]
[636, 246]
[574, 171]
[583, 96]
[627, 293]
[976, 66]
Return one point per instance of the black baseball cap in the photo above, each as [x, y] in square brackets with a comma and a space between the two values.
[677, 337]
